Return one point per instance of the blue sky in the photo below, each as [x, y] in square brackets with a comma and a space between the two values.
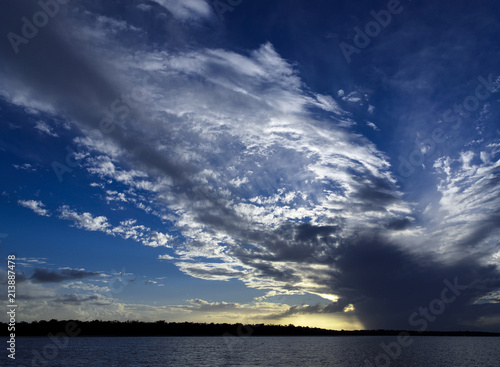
[331, 164]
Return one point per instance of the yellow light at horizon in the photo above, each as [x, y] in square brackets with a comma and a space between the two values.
[340, 321]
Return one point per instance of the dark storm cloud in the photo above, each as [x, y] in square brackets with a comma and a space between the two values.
[51, 276]
[482, 230]
[289, 242]
[313, 309]
[373, 193]
[387, 285]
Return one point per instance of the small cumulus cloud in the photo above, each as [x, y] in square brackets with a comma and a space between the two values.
[84, 220]
[35, 205]
[24, 167]
[373, 126]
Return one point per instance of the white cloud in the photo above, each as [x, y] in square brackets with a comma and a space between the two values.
[373, 126]
[113, 195]
[140, 233]
[30, 261]
[35, 205]
[45, 128]
[238, 181]
[329, 104]
[464, 222]
[157, 239]
[353, 97]
[187, 9]
[127, 228]
[84, 220]
[24, 167]
[165, 257]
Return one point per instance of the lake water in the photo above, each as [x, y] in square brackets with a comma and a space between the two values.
[256, 351]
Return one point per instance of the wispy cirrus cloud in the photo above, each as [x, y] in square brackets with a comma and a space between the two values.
[45, 128]
[188, 9]
[30, 262]
[468, 209]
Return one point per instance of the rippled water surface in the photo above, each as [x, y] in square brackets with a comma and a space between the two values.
[257, 351]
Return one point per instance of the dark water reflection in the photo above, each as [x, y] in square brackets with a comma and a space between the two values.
[257, 351]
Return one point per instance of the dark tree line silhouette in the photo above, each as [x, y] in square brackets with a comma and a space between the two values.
[162, 328]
